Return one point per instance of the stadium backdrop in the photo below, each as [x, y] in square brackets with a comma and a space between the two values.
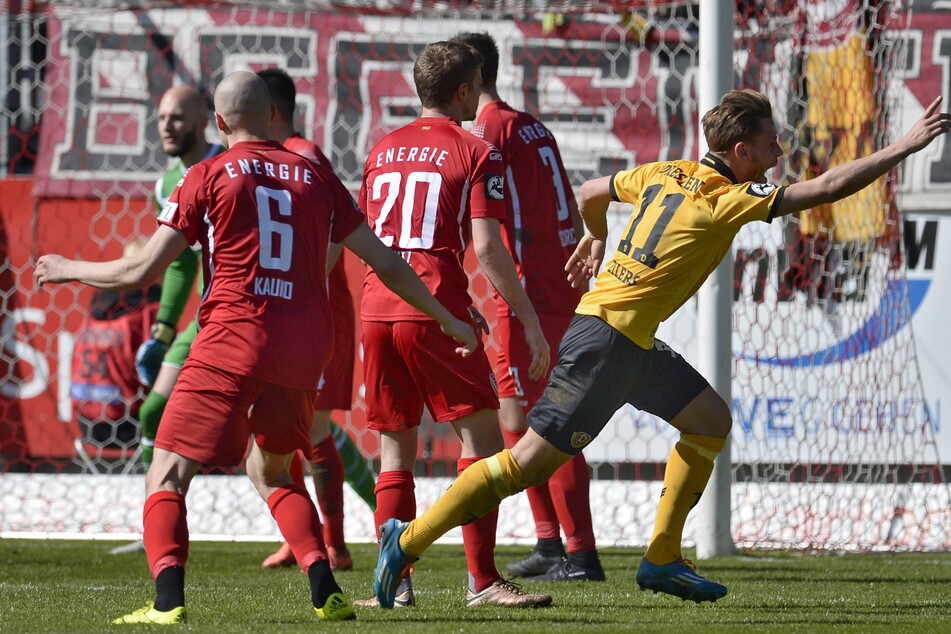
[98, 136]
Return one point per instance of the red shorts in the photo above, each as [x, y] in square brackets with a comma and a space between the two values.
[335, 389]
[514, 360]
[211, 414]
[407, 364]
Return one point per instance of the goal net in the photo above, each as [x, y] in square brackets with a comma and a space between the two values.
[835, 444]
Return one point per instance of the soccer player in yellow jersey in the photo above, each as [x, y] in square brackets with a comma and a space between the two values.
[685, 216]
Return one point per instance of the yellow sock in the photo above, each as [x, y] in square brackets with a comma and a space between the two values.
[688, 470]
[478, 490]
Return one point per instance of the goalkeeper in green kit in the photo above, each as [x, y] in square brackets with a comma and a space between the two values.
[182, 118]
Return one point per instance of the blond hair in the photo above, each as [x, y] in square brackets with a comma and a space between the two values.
[738, 117]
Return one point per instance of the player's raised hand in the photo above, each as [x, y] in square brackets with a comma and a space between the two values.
[585, 262]
[464, 334]
[51, 269]
[930, 126]
[541, 352]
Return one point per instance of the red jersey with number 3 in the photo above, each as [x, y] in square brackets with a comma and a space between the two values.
[538, 231]
[422, 184]
[264, 217]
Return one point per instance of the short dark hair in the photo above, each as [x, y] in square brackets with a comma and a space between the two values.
[738, 117]
[282, 89]
[487, 48]
[441, 68]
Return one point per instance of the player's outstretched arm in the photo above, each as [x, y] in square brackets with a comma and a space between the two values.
[593, 201]
[499, 267]
[137, 271]
[847, 179]
[402, 280]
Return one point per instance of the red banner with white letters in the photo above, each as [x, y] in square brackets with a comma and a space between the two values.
[612, 101]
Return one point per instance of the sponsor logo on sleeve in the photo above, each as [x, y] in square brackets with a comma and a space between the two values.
[493, 187]
[494, 153]
[761, 190]
[168, 211]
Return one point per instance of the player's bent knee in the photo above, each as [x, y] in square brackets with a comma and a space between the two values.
[721, 420]
[706, 415]
[722, 428]
[511, 416]
[537, 459]
[539, 471]
[169, 472]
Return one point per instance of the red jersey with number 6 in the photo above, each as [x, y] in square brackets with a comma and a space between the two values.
[422, 184]
[264, 217]
[538, 231]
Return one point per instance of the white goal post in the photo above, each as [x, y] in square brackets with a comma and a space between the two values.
[715, 299]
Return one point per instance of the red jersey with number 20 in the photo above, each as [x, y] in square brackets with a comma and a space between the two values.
[264, 217]
[422, 184]
[538, 231]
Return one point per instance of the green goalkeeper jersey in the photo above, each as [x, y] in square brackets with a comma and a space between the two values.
[183, 272]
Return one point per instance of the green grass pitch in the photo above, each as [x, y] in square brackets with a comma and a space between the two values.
[77, 586]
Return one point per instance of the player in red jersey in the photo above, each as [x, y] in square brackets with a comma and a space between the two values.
[428, 188]
[335, 389]
[541, 232]
[265, 217]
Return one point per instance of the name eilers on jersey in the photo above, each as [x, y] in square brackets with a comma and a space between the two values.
[623, 274]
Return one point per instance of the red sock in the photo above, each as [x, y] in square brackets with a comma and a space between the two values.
[328, 481]
[297, 518]
[569, 488]
[539, 498]
[297, 469]
[395, 497]
[511, 437]
[166, 531]
[478, 539]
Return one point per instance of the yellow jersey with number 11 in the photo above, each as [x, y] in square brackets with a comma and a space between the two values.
[686, 214]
